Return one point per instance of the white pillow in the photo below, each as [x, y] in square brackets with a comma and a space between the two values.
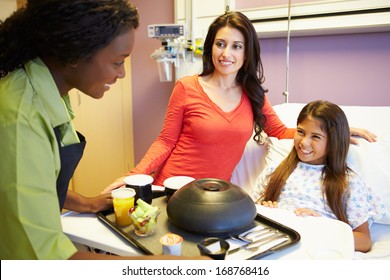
[370, 160]
[250, 165]
[278, 149]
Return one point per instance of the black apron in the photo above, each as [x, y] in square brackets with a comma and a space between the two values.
[70, 156]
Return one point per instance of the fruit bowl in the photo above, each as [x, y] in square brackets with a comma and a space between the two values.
[144, 218]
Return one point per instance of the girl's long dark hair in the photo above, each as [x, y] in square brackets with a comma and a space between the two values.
[64, 30]
[335, 124]
[250, 76]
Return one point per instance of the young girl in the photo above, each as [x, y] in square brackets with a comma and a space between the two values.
[314, 178]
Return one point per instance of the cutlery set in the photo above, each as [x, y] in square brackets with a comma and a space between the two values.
[256, 238]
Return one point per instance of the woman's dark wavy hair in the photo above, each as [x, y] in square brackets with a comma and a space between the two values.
[63, 30]
[334, 174]
[250, 76]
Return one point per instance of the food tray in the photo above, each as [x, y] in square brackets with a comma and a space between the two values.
[150, 245]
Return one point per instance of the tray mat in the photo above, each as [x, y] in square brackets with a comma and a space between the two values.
[151, 244]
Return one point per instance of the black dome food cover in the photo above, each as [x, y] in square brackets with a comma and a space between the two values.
[211, 206]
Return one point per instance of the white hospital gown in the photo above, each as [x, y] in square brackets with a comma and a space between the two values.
[303, 190]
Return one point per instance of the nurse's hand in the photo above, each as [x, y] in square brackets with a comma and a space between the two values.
[99, 203]
[364, 133]
[79, 203]
[116, 184]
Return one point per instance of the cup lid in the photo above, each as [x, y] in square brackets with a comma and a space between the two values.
[171, 239]
[176, 182]
[138, 180]
[123, 193]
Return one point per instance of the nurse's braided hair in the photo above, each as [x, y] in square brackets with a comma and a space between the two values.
[63, 30]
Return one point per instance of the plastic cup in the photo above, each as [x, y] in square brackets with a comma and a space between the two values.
[171, 244]
[164, 67]
[123, 200]
[145, 226]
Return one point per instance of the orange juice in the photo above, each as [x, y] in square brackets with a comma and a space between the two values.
[123, 200]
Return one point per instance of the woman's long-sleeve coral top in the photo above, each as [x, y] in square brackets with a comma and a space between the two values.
[200, 140]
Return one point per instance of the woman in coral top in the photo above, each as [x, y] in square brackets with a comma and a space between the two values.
[211, 116]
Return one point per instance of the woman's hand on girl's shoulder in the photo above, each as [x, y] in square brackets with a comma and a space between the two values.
[363, 133]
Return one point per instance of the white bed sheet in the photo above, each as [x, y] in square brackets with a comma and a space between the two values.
[373, 118]
[314, 244]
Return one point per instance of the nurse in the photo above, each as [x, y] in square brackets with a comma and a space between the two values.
[47, 49]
